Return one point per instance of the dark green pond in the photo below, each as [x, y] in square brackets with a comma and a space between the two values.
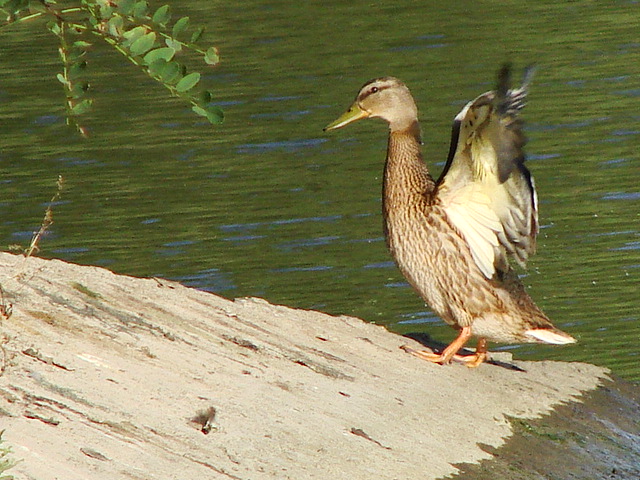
[268, 205]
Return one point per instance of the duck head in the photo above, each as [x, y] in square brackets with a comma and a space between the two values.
[387, 98]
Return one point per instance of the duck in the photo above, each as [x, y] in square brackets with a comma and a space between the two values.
[455, 238]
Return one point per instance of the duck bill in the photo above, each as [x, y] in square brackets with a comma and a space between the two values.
[354, 114]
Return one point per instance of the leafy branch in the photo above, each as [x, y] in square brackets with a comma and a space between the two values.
[149, 39]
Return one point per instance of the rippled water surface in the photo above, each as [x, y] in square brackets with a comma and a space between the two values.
[269, 205]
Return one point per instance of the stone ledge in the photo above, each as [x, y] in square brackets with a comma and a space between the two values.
[109, 376]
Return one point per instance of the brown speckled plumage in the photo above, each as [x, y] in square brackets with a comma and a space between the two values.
[451, 238]
[435, 258]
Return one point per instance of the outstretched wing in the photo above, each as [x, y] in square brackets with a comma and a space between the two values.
[485, 189]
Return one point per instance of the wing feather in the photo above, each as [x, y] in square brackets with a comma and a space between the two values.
[485, 189]
[471, 213]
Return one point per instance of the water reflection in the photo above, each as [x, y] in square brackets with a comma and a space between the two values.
[210, 280]
[286, 146]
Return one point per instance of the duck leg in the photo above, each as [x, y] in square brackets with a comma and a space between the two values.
[473, 361]
[451, 352]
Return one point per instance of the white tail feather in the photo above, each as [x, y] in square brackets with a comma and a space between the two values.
[549, 336]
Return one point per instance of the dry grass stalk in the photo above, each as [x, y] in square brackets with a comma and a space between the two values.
[47, 221]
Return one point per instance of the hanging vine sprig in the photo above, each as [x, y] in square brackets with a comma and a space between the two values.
[149, 39]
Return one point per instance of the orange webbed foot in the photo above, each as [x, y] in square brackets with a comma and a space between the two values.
[451, 352]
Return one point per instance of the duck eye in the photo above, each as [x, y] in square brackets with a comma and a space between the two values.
[373, 90]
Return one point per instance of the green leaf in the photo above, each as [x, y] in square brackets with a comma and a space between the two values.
[171, 73]
[74, 55]
[125, 7]
[199, 110]
[164, 53]
[143, 44]
[156, 68]
[188, 82]
[106, 10]
[77, 91]
[76, 70]
[197, 34]
[211, 56]
[213, 114]
[115, 26]
[175, 44]
[132, 35]
[61, 79]
[140, 9]
[180, 26]
[55, 28]
[81, 44]
[83, 107]
[162, 16]
[37, 7]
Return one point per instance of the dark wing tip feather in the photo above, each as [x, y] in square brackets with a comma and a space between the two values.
[453, 146]
[510, 101]
[504, 81]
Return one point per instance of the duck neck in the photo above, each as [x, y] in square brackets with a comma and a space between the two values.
[406, 176]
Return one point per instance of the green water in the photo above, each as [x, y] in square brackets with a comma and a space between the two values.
[269, 205]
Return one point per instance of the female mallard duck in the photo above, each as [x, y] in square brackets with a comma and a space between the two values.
[452, 238]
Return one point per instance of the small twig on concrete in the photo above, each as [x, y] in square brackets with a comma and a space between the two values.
[90, 452]
[361, 433]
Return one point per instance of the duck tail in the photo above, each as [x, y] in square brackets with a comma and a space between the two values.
[550, 335]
